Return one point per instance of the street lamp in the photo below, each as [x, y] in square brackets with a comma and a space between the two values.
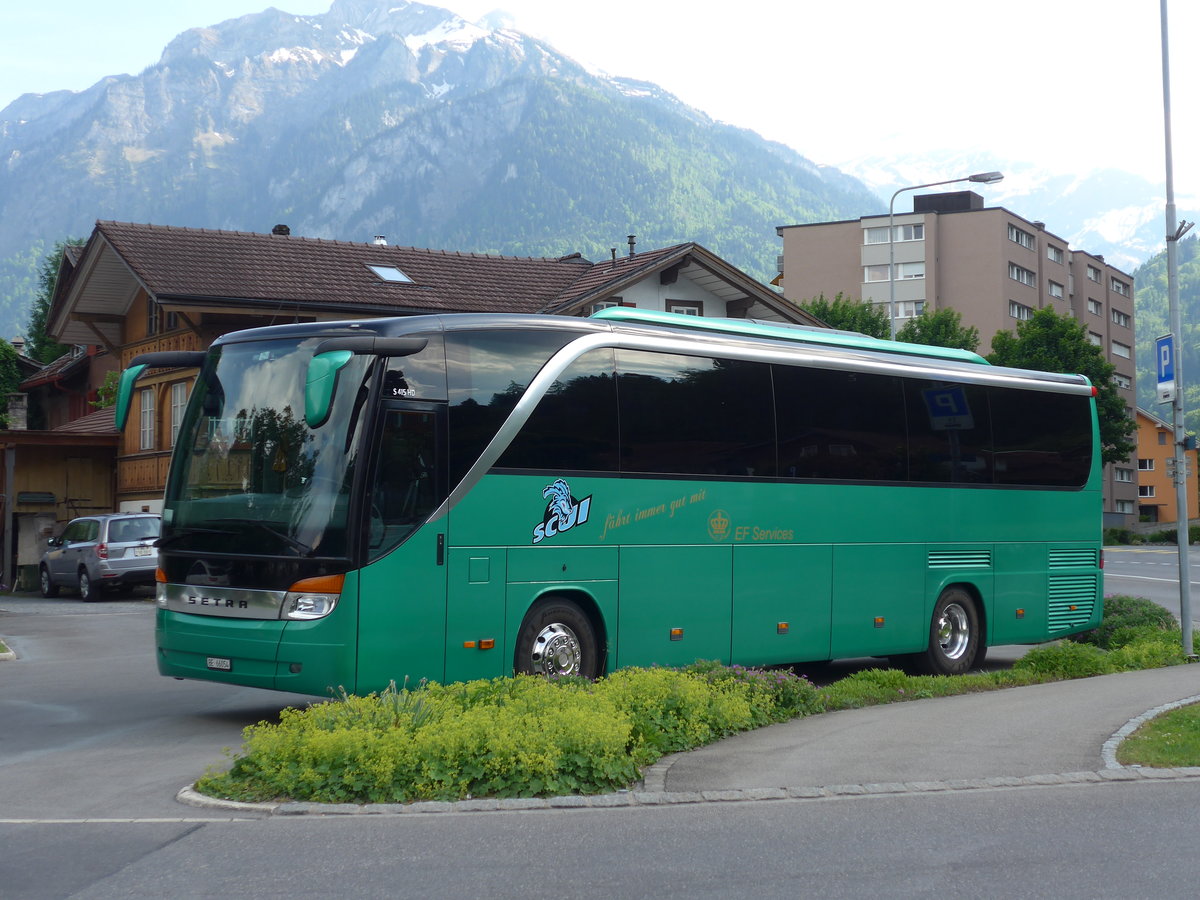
[978, 178]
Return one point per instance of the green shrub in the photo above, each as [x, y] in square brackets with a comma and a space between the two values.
[776, 695]
[1146, 648]
[1117, 536]
[1065, 659]
[1124, 612]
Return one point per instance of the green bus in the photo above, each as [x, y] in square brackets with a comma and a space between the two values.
[452, 497]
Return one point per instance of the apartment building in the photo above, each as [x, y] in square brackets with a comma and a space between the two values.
[1157, 501]
[991, 265]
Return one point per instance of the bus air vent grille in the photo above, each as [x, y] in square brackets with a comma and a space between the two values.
[1073, 558]
[1072, 601]
[960, 559]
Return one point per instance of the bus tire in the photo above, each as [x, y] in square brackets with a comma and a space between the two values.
[954, 636]
[556, 640]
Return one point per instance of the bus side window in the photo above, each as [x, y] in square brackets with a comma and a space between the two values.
[574, 427]
[694, 415]
[950, 432]
[844, 426]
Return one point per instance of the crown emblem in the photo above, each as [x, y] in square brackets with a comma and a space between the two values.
[718, 525]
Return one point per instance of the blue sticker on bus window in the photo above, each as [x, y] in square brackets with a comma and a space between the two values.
[563, 512]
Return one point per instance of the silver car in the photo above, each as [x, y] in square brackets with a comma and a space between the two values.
[95, 553]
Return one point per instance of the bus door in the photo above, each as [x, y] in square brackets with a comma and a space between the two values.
[402, 587]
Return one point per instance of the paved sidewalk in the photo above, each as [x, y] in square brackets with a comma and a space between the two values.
[1018, 733]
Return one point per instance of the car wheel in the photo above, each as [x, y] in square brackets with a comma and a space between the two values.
[49, 588]
[87, 591]
[557, 639]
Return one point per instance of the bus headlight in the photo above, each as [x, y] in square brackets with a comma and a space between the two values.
[312, 598]
[302, 605]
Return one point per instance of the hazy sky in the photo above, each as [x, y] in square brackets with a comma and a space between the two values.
[1065, 84]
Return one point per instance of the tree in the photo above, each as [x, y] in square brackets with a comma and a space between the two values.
[10, 377]
[1049, 342]
[38, 344]
[850, 315]
[940, 328]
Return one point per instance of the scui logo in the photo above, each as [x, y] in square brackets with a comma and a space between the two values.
[563, 512]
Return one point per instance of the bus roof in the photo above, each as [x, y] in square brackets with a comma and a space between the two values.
[785, 332]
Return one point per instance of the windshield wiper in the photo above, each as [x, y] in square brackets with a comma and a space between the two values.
[298, 546]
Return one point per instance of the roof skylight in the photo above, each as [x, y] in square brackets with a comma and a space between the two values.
[390, 273]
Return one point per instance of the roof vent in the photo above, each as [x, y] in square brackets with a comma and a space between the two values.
[380, 240]
[632, 242]
[281, 229]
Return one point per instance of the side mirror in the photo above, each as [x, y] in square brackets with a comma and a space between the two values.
[54, 542]
[320, 383]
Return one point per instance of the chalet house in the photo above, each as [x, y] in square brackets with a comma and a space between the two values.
[140, 288]
[1155, 459]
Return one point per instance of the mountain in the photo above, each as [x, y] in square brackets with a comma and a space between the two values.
[1153, 319]
[399, 119]
[1108, 212]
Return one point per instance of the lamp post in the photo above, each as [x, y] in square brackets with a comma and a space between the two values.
[978, 178]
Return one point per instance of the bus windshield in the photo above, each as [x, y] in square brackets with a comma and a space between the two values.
[247, 470]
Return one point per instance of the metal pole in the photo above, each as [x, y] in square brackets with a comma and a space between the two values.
[978, 178]
[1174, 232]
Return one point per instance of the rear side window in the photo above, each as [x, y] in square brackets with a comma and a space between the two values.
[122, 531]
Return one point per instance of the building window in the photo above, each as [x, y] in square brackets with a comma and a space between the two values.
[178, 402]
[1093, 274]
[1162, 438]
[1024, 238]
[151, 318]
[909, 270]
[1119, 287]
[1145, 490]
[1019, 310]
[146, 430]
[1054, 254]
[1122, 350]
[879, 234]
[1021, 274]
[1124, 506]
[1056, 290]
[1095, 307]
[875, 273]
[1120, 474]
[908, 309]
[608, 304]
[1145, 465]
[1120, 318]
[1096, 339]
[1122, 381]
[685, 307]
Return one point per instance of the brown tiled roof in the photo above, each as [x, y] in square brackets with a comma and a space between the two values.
[608, 276]
[190, 263]
[102, 421]
[54, 371]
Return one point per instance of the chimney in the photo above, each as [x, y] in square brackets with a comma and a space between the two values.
[1040, 226]
[18, 343]
[632, 240]
[18, 412]
[614, 259]
[281, 229]
[380, 240]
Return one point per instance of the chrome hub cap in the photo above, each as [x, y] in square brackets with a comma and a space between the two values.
[556, 651]
[953, 631]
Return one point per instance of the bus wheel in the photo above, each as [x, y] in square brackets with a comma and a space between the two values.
[556, 639]
[953, 635]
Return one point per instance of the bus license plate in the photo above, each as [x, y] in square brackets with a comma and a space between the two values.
[220, 663]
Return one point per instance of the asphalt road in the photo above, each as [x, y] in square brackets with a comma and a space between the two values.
[1153, 573]
[94, 745]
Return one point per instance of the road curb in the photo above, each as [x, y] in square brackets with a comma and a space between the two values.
[643, 798]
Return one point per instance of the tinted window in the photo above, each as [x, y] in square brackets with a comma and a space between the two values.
[574, 427]
[693, 415]
[421, 376]
[487, 372]
[407, 486]
[950, 436]
[1041, 438]
[840, 425]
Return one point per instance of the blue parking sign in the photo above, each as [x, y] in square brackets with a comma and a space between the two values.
[1164, 353]
[948, 408]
